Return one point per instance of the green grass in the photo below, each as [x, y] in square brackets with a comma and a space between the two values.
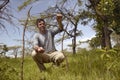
[86, 65]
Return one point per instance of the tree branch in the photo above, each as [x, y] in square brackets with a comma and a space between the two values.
[4, 4]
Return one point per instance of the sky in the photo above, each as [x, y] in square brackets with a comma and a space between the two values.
[15, 34]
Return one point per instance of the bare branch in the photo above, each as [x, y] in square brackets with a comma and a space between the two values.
[5, 2]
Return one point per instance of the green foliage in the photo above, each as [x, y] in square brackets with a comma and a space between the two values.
[7, 70]
[110, 57]
[94, 42]
[27, 2]
[106, 6]
[5, 48]
[107, 53]
[116, 12]
[85, 65]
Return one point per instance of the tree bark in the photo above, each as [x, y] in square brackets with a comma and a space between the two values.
[74, 40]
[23, 47]
[103, 38]
[107, 36]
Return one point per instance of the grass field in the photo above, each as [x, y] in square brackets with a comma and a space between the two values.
[85, 65]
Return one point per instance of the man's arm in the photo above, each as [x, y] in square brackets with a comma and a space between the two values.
[35, 44]
[59, 20]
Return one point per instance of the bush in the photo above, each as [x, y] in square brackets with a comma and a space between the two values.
[7, 72]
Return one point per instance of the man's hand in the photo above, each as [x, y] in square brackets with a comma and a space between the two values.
[59, 20]
[41, 50]
[59, 17]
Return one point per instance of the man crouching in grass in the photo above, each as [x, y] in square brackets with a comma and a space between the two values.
[43, 44]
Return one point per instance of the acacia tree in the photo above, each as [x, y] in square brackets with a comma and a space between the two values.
[15, 50]
[71, 17]
[103, 12]
[106, 15]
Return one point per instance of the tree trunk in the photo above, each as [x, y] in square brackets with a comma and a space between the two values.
[16, 53]
[74, 45]
[105, 38]
[74, 40]
[23, 44]
[102, 38]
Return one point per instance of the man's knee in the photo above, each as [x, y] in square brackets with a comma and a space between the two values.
[34, 53]
[60, 58]
[62, 55]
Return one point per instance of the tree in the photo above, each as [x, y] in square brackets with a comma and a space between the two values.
[106, 16]
[4, 50]
[71, 16]
[23, 43]
[103, 12]
[15, 50]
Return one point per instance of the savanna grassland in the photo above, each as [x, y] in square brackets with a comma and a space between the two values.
[85, 65]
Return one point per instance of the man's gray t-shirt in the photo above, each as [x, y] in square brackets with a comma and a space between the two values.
[46, 40]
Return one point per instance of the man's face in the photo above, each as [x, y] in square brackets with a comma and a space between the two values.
[41, 26]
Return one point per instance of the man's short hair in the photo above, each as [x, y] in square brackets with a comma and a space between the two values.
[39, 20]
